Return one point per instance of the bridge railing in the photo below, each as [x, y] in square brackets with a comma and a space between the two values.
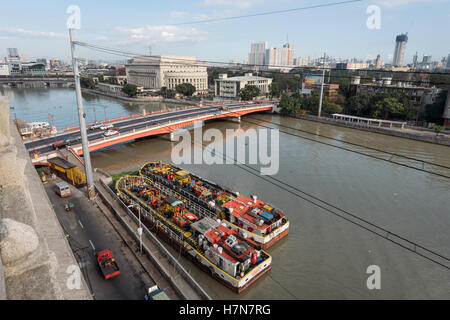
[143, 115]
[149, 128]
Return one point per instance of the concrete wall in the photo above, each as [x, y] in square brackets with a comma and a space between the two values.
[360, 126]
[33, 249]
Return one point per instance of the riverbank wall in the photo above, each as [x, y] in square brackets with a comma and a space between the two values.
[139, 100]
[413, 134]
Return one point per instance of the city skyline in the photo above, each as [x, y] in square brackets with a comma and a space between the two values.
[343, 35]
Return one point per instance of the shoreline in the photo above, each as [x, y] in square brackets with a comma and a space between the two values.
[424, 136]
[138, 100]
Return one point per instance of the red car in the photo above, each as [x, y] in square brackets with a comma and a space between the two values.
[107, 264]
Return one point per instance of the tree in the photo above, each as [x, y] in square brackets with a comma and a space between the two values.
[185, 89]
[332, 108]
[87, 83]
[360, 104]
[249, 92]
[434, 111]
[130, 90]
[170, 94]
[387, 108]
[437, 129]
[275, 89]
[287, 104]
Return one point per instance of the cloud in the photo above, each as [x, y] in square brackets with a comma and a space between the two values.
[20, 32]
[241, 4]
[179, 14]
[162, 34]
[398, 3]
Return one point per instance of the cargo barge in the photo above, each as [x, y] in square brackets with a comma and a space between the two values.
[262, 222]
[228, 255]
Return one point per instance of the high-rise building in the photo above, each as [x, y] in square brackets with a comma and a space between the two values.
[426, 59]
[13, 61]
[400, 50]
[257, 53]
[280, 56]
[13, 52]
[300, 62]
[378, 62]
[448, 61]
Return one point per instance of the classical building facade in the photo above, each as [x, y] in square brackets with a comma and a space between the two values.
[156, 72]
[229, 87]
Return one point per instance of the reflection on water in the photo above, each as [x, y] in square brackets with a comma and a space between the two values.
[61, 106]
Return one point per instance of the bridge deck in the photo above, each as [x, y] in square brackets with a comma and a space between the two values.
[139, 126]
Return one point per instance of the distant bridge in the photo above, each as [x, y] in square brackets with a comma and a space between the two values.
[140, 126]
[37, 81]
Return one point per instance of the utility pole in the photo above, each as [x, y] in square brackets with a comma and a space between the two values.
[82, 119]
[321, 87]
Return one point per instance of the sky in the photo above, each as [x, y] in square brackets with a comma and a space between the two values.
[39, 28]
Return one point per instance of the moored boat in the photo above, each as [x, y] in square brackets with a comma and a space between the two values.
[263, 223]
[226, 254]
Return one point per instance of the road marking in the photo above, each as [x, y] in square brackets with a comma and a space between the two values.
[92, 245]
[80, 224]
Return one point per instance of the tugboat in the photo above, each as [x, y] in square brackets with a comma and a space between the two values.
[228, 255]
[262, 222]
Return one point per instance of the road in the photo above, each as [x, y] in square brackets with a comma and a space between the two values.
[45, 144]
[89, 232]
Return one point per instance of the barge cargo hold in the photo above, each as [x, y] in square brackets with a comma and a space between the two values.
[262, 222]
[228, 255]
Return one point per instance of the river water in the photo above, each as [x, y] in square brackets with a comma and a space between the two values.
[324, 256]
[37, 104]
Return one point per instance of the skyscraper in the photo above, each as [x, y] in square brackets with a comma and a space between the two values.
[280, 56]
[257, 53]
[378, 62]
[400, 50]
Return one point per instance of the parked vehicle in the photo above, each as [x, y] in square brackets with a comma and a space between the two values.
[107, 264]
[59, 144]
[62, 189]
[111, 133]
[154, 293]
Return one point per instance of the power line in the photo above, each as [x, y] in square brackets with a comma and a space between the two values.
[265, 13]
[355, 144]
[185, 61]
[344, 214]
[354, 151]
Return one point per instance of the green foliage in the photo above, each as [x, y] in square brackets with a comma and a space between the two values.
[287, 105]
[87, 83]
[130, 90]
[249, 92]
[388, 108]
[168, 93]
[185, 89]
[437, 129]
[275, 89]
[434, 111]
